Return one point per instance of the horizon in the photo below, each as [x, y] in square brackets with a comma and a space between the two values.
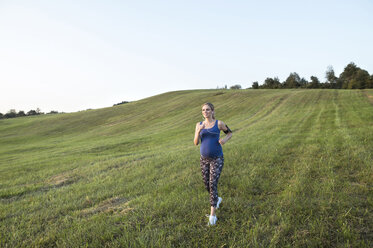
[69, 57]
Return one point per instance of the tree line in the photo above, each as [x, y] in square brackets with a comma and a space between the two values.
[352, 77]
[13, 113]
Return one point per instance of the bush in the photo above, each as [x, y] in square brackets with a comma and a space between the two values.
[121, 103]
[235, 87]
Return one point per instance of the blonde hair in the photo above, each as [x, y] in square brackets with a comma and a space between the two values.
[211, 107]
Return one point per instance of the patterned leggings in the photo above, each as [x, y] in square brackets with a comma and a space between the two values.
[211, 169]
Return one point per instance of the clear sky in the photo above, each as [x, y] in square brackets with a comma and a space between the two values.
[74, 55]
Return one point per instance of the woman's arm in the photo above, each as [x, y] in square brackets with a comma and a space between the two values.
[199, 127]
[222, 126]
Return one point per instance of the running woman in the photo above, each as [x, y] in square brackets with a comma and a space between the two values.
[212, 159]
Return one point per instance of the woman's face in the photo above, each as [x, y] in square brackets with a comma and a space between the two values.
[206, 111]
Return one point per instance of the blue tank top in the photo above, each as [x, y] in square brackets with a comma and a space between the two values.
[210, 146]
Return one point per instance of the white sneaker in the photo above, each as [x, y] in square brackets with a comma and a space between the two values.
[219, 201]
[212, 220]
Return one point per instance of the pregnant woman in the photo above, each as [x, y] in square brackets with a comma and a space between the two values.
[212, 159]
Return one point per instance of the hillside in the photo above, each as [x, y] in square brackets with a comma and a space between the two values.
[298, 172]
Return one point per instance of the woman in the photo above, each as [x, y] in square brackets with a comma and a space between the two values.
[212, 159]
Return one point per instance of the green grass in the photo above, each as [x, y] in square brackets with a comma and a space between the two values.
[298, 173]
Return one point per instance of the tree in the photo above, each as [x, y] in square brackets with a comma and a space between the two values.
[370, 82]
[360, 80]
[348, 74]
[236, 87]
[331, 78]
[271, 83]
[1, 116]
[293, 81]
[55, 112]
[21, 113]
[314, 84]
[303, 83]
[363, 78]
[11, 114]
[32, 112]
[255, 85]
[354, 77]
[123, 102]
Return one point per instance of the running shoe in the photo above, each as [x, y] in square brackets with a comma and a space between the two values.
[212, 220]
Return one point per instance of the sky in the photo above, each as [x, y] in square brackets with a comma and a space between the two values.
[69, 56]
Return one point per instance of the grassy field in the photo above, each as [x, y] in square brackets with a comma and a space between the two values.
[298, 173]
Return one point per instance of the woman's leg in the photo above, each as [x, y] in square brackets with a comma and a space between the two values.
[216, 166]
[205, 169]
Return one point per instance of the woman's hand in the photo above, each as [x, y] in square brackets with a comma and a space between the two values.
[201, 126]
[222, 141]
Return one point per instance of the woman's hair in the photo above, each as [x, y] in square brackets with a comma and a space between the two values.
[211, 107]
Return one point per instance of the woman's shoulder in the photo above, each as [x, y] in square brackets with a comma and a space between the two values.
[221, 124]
